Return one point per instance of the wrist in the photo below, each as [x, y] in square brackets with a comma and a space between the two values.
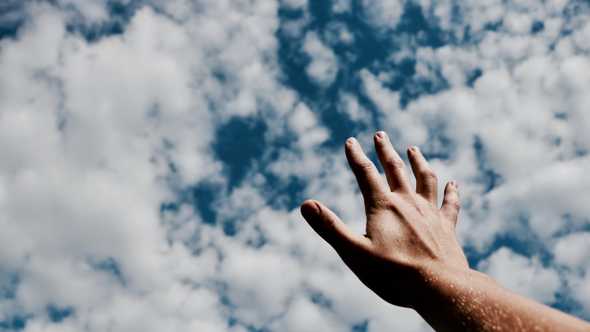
[441, 285]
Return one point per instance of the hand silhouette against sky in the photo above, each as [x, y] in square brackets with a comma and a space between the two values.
[410, 255]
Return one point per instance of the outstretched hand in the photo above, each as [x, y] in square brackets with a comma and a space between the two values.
[408, 237]
[410, 256]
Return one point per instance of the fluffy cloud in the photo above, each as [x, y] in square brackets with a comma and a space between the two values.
[96, 136]
[571, 252]
[294, 4]
[522, 275]
[108, 135]
[323, 66]
[383, 14]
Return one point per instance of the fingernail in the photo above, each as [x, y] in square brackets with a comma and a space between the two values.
[413, 148]
[309, 209]
[380, 134]
[350, 141]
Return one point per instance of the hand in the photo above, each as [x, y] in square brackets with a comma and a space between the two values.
[408, 238]
[410, 256]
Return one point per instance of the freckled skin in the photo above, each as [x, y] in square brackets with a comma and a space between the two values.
[410, 255]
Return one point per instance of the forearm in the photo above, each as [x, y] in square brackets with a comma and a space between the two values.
[472, 301]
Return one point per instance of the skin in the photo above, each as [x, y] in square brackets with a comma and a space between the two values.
[410, 255]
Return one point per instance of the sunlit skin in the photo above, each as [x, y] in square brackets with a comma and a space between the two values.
[410, 255]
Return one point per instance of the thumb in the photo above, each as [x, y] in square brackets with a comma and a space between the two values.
[331, 228]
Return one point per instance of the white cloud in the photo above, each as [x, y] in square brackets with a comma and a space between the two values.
[303, 315]
[260, 282]
[523, 275]
[294, 4]
[304, 124]
[383, 13]
[89, 131]
[83, 137]
[572, 250]
[349, 104]
[338, 34]
[323, 67]
[341, 6]
[92, 11]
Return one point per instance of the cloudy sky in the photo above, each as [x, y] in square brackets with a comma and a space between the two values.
[153, 154]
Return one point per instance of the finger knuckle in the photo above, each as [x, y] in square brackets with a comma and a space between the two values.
[392, 205]
[455, 205]
[364, 165]
[394, 200]
[395, 163]
[380, 201]
[429, 175]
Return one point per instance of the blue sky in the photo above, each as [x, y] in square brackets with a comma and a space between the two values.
[155, 154]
